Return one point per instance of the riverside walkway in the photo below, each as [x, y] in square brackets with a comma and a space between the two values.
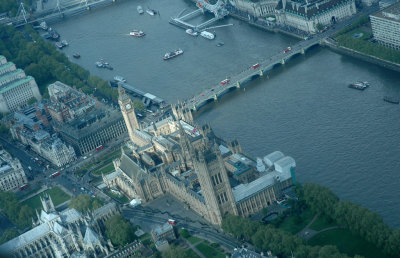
[264, 66]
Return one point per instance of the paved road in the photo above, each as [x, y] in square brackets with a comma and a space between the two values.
[149, 219]
[38, 175]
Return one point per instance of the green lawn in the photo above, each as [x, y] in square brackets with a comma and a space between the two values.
[34, 190]
[57, 195]
[366, 35]
[322, 222]
[107, 169]
[122, 198]
[208, 251]
[191, 253]
[347, 243]
[193, 240]
[295, 223]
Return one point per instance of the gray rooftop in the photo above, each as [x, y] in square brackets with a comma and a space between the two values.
[244, 191]
[162, 228]
[391, 12]
[91, 237]
[25, 238]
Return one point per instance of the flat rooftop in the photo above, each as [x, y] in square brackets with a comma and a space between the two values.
[390, 13]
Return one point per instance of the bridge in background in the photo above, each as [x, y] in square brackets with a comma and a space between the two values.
[218, 9]
[62, 9]
[263, 67]
[252, 72]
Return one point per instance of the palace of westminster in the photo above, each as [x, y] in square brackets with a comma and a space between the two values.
[209, 175]
[172, 156]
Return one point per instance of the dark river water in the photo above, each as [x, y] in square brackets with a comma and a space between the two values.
[345, 139]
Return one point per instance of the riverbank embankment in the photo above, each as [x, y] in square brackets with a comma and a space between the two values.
[359, 55]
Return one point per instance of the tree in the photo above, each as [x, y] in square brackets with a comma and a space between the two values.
[119, 231]
[9, 234]
[21, 216]
[84, 202]
[138, 105]
[319, 26]
[184, 233]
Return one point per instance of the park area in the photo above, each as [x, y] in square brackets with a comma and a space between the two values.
[58, 196]
[324, 231]
[197, 245]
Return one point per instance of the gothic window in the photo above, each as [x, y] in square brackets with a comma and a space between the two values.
[213, 180]
[219, 177]
[226, 198]
[153, 188]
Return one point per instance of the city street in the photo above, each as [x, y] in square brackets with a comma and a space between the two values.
[166, 207]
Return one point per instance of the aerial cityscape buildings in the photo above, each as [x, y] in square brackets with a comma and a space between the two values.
[306, 15]
[160, 170]
[63, 234]
[12, 174]
[15, 87]
[173, 156]
[385, 26]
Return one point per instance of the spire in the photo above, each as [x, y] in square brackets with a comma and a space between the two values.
[121, 90]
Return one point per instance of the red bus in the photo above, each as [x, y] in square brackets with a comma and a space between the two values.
[23, 187]
[256, 66]
[172, 222]
[56, 174]
[98, 148]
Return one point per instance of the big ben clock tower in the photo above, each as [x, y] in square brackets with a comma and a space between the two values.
[128, 112]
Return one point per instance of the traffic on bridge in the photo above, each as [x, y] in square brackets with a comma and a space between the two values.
[265, 65]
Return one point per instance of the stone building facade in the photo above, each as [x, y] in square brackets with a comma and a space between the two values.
[12, 174]
[15, 87]
[63, 234]
[306, 15]
[386, 26]
[260, 9]
[172, 156]
[94, 129]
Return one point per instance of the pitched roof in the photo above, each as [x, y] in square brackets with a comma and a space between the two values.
[131, 168]
[25, 238]
[91, 237]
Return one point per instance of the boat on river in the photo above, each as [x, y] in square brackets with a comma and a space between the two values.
[151, 12]
[391, 100]
[119, 78]
[173, 54]
[207, 35]
[192, 32]
[140, 9]
[76, 55]
[359, 85]
[137, 33]
[103, 64]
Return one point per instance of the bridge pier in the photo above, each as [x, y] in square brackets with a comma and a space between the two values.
[237, 85]
[194, 107]
[261, 73]
[283, 61]
[215, 97]
[302, 51]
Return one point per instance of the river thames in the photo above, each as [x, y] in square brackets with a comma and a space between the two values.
[345, 139]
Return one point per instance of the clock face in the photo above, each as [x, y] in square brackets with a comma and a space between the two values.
[128, 106]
